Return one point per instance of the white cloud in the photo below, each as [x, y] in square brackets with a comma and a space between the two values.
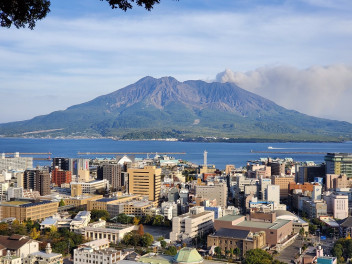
[318, 91]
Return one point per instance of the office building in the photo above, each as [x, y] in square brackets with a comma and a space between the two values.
[145, 182]
[339, 163]
[195, 223]
[59, 176]
[22, 210]
[61, 163]
[212, 191]
[115, 175]
[37, 180]
[283, 182]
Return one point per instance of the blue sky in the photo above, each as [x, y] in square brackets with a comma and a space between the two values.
[296, 53]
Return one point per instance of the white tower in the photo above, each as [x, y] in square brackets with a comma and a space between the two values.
[205, 159]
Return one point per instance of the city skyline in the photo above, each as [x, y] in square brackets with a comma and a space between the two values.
[84, 49]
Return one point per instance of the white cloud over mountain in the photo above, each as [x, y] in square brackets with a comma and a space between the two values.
[318, 91]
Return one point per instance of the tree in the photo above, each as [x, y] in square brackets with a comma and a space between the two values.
[237, 252]
[172, 251]
[147, 240]
[163, 243]
[217, 251]
[135, 221]
[27, 12]
[61, 203]
[95, 215]
[257, 256]
[34, 233]
[141, 230]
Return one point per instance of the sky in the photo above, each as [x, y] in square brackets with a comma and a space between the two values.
[294, 52]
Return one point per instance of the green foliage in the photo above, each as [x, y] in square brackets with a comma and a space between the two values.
[257, 256]
[163, 243]
[171, 251]
[95, 215]
[62, 203]
[217, 251]
[342, 248]
[124, 219]
[135, 239]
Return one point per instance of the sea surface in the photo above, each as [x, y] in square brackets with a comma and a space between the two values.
[219, 154]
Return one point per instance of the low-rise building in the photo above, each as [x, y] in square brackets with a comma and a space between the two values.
[314, 209]
[40, 257]
[277, 230]
[22, 210]
[245, 240]
[114, 235]
[196, 222]
[18, 245]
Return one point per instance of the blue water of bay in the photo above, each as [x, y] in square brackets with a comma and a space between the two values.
[219, 154]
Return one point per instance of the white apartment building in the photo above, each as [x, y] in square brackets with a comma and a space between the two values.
[196, 222]
[15, 163]
[91, 187]
[169, 209]
[337, 204]
[96, 252]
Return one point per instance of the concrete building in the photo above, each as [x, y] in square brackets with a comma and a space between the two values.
[283, 182]
[114, 235]
[81, 201]
[276, 230]
[37, 180]
[80, 168]
[15, 163]
[216, 191]
[145, 182]
[59, 176]
[314, 209]
[339, 163]
[316, 194]
[169, 209]
[62, 164]
[278, 168]
[115, 175]
[308, 172]
[245, 240]
[79, 188]
[46, 257]
[18, 245]
[273, 193]
[337, 205]
[14, 193]
[26, 210]
[335, 181]
[196, 222]
[97, 251]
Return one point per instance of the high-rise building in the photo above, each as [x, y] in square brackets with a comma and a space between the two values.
[145, 182]
[339, 163]
[59, 176]
[215, 191]
[61, 163]
[115, 174]
[15, 163]
[37, 180]
[283, 182]
[273, 194]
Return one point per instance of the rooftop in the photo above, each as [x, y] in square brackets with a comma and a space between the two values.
[233, 233]
[230, 218]
[265, 225]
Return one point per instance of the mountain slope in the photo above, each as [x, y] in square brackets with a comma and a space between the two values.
[165, 107]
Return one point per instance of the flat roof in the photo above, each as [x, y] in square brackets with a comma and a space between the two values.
[257, 224]
[15, 202]
[230, 218]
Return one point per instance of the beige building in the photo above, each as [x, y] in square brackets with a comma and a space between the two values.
[79, 188]
[216, 191]
[335, 181]
[283, 182]
[25, 210]
[196, 222]
[78, 201]
[228, 239]
[145, 182]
